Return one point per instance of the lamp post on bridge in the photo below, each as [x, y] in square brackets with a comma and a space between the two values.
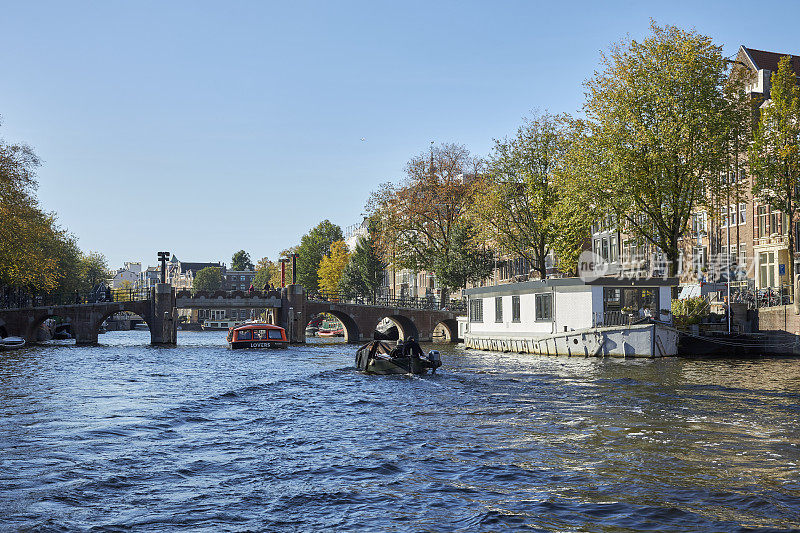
[163, 257]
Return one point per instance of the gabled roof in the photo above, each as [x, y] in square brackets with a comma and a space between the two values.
[761, 59]
[197, 267]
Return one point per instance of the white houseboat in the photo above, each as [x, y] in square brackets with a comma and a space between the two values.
[569, 316]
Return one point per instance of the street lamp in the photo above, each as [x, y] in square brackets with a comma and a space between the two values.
[163, 257]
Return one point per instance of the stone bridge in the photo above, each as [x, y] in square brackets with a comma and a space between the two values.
[361, 319]
[156, 307]
[289, 307]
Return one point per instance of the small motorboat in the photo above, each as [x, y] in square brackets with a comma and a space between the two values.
[380, 357]
[11, 343]
[257, 335]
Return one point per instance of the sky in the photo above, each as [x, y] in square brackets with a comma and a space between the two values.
[202, 128]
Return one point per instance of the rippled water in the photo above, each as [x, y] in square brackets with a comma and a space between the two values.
[197, 437]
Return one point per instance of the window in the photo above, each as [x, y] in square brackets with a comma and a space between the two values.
[515, 315]
[742, 213]
[604, 249]
[699, 258]
[723, 216]
[275, 334]
[234, 313]
[498, 309]
[544, 306]
[775, 219]
[476, 310]
[763, 221]
[612, 248]
[241, 278]
[244, 335]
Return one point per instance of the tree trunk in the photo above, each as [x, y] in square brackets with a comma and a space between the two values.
[790, 223]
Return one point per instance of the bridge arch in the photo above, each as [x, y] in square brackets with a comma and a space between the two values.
[95, 326]
[31, 333]
[446, 331]
[405, 326]
[352, 333]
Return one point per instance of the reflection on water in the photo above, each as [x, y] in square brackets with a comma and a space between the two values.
[125, 435]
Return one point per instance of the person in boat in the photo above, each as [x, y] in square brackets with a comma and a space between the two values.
[412, 348]
[398, 350]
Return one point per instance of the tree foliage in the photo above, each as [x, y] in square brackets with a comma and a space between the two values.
[35, 253]
[241, 261]
[464, 262]
[657, 115]
[332, 265]
[313, 247]
[516, 210]
[265, 272]
[208, 279]
[364, 274]
[416, 220]
[94, 269]
[774, 155]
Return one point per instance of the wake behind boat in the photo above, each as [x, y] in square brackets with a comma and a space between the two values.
[380, 357]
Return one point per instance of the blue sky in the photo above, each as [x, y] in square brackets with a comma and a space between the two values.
[206, 127]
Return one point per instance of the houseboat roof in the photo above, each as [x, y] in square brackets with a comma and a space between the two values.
[536, 285]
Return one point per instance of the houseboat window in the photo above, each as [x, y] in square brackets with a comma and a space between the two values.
[476, 310]
[275, 334]
[612, 299]
[259, 334]
[515, 309]
[544, 306]
[498, 309]
[244, 335]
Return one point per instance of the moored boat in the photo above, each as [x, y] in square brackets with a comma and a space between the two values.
[257, 335]
[221, 325]
[11, 343]
[380, 357]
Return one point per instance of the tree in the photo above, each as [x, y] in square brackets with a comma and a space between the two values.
[313, 246]
[94, 269]
[208, 279]
[332, 266]
[516, 210]
[577, 207]
[464, 262]
[774, 155]
[417, 218]
[241, 261]
[657, 115]
[265, 271]
[365, 272]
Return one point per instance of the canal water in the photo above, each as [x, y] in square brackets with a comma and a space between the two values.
[126, 436]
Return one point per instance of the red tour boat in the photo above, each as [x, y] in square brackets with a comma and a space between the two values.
[257, 336]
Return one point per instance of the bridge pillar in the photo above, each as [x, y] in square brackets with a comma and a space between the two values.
[163, 316]
[292, 313]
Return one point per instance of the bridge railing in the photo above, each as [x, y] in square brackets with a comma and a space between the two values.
[24, 300]
[431, 302]
[185, 292]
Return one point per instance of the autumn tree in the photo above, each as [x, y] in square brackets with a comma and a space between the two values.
[208, 279]
[332, 265]
[241, 261]
[314, 245]
[656, 112]
[417, 218]
[774, 155]
[516, 209]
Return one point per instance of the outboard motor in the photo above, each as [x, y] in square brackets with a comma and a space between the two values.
[436, 360]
